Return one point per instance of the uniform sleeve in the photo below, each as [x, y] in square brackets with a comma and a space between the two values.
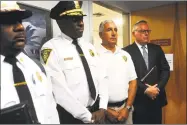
[103, 84]
[62, 93]
[164, 70]
[132, 72]
[52, 117]
[141, 87]
[103, 87]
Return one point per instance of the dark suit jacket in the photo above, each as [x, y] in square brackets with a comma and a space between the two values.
[160, 74]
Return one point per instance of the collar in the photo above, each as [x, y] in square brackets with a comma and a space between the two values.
[104, 50]
[18, 57]
[118, 49]
[69, 39]
[140, 46]
[2, 58]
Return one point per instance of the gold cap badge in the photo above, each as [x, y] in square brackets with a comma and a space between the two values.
[77, 6]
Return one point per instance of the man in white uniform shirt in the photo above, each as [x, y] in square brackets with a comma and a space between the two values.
[121, 74]
[77, 76]
[22, 81]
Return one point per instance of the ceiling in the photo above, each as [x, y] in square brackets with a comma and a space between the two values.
[129, 6]
[112, 10]
[101, 13]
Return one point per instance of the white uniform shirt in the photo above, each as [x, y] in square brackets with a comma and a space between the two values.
[120, 70]
[70, 86]
[41, 90]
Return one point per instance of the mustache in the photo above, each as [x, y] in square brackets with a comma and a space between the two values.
[20, 35]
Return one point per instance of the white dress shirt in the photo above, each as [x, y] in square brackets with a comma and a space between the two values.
[120, 71]
[140, 48]
[70, 85]
[40, 89]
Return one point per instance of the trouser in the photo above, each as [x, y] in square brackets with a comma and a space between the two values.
[67, 118]
[117, 108]
[147, 115]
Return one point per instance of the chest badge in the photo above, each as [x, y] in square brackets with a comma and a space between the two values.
[39, 77]
[124, 58]
[91, 53]
[21, 59]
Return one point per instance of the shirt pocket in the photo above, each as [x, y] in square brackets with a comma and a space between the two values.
[38, 86]
[72, 72]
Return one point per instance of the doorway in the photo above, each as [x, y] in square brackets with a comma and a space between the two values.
[102, 12]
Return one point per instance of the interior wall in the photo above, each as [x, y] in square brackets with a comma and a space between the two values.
[169, 22]
[108, 13]
[87, 8]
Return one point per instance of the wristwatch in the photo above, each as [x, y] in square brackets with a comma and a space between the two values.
[128, 107]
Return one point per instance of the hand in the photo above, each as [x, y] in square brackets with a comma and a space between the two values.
[123, 115]
[152, 91]
[112, 115]
[98, 117]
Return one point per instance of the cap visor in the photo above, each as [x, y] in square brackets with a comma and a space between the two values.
[17, 14]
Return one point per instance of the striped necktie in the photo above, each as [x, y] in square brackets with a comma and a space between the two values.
[145, 56]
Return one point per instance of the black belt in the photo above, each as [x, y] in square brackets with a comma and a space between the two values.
[89, 108]
[118, 104]
[95, 106]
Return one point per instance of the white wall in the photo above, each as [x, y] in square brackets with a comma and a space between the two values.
[87, 8]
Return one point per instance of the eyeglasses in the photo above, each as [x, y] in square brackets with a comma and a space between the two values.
[144, 31]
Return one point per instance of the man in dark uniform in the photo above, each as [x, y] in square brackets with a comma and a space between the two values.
[151, 96]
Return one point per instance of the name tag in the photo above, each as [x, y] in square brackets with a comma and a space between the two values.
[68, 58]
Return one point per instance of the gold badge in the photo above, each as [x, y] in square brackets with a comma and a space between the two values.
[91, 53]
[125, 58]
[77, 6]
[68, 58]
[45, 54]
[21, 59]
[39, 76]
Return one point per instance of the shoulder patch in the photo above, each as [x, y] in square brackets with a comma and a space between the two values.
[45, 54]
[125, 58]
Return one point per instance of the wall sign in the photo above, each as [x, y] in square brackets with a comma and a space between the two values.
[162, 42]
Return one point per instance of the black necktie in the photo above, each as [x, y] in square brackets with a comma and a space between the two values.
[87, 70]
[21, 87]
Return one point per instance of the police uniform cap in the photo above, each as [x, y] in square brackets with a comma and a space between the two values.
[66, 8]
[10, 10]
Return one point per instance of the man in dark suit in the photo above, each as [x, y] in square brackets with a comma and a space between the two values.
[151, 96]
